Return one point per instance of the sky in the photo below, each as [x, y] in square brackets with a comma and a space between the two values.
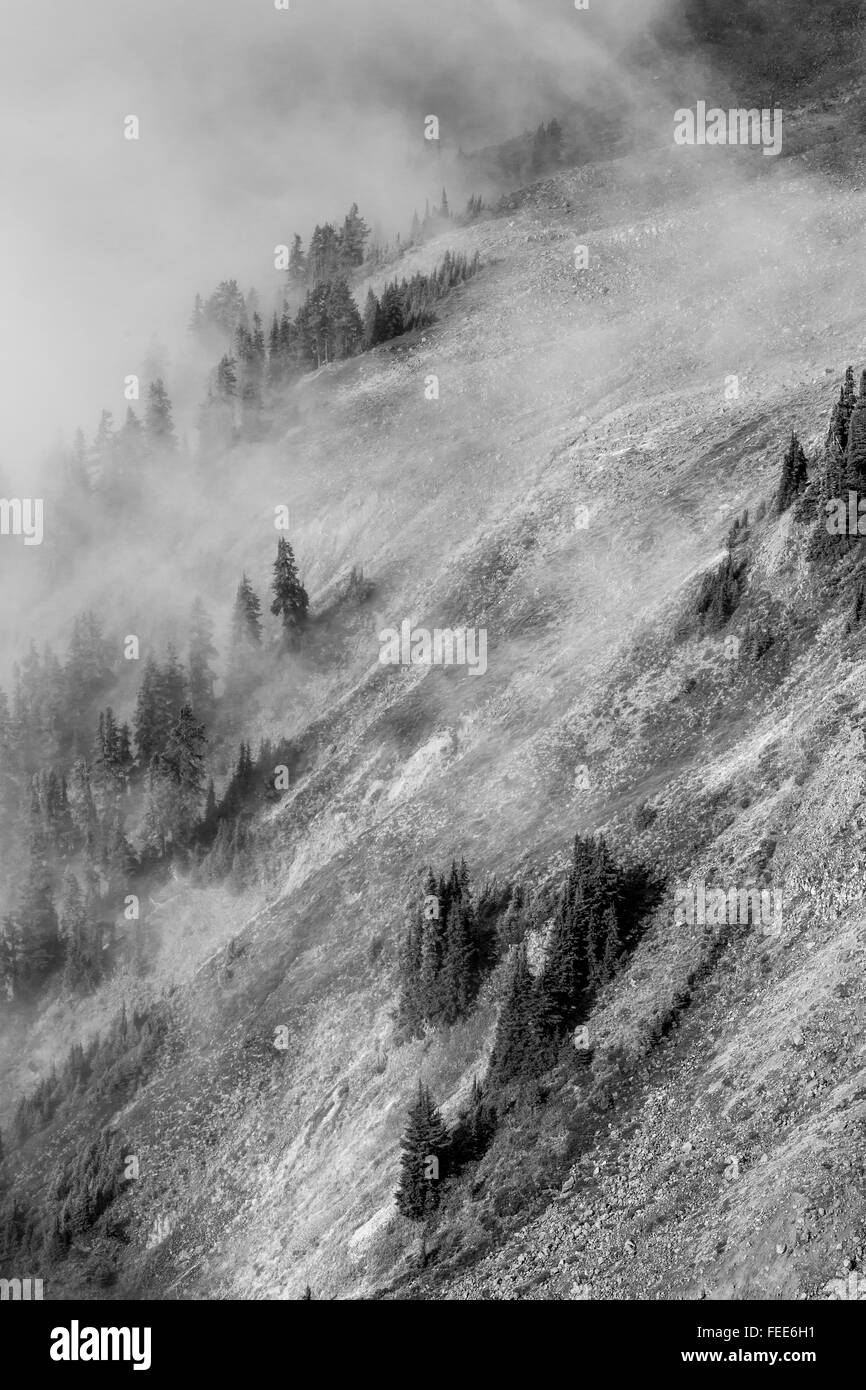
[254, 123]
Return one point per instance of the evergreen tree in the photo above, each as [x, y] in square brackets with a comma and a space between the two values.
[475, 1127]
[246, 616]
[794, 475]
[372, 312]
[149, 723]
[554, 143]
[297, 271]
[425, 1147]
[175, 806]
[158, 425]
[856, 453]
[519, 1045]
[81, 949]
[352, 240]
[456, 983]
[391, 315]
[183, 758]
[346, 327]
[40, 946]
[290, 602]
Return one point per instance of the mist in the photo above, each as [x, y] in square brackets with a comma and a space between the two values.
[254, 123]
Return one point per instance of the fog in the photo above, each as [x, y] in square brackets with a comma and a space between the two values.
[254, 123]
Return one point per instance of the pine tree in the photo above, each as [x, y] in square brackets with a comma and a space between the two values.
[425, 1150]
[297, 271]
[82, 964]
[246, 616]
[175, 806]
[391, 316]
[856, 453]
[431, 964]
[519, 1045]
[346, 326]
[149, 723]
[611, 945]
[40, 946]
[158, 424]
[290, 602]
[474, 1129]
[352, 239]
[794, 475]
[554, 143]
[183, 758]
[455, 983]
[372, 313]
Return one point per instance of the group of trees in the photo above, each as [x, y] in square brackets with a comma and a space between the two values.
[432, 1153]
[409, 304]
[448, 945]
[547, 148]
[91, 803]
[795, 475]
[319, 321]
[581, 953]
[844, 465]
[593, 921]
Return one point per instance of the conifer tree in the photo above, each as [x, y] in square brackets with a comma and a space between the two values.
[148, 720]
[455, 983]
[246, 616]
[158, 425]
[794, 475]
[290, 602]
[183, 758]
[425, 1148]
[352, 239]
[297, 271]
[40, 947]
[372, 312]
[81, 970]
[474, 1129]
[431, 964]
[519, 1045]
[856, 454]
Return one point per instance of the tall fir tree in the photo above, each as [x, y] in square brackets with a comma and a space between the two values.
[290, 602]
[795, 475]
[246, 616]
[422, 1166]
[158, 424]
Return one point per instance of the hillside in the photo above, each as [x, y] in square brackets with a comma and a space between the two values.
[657, 390]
